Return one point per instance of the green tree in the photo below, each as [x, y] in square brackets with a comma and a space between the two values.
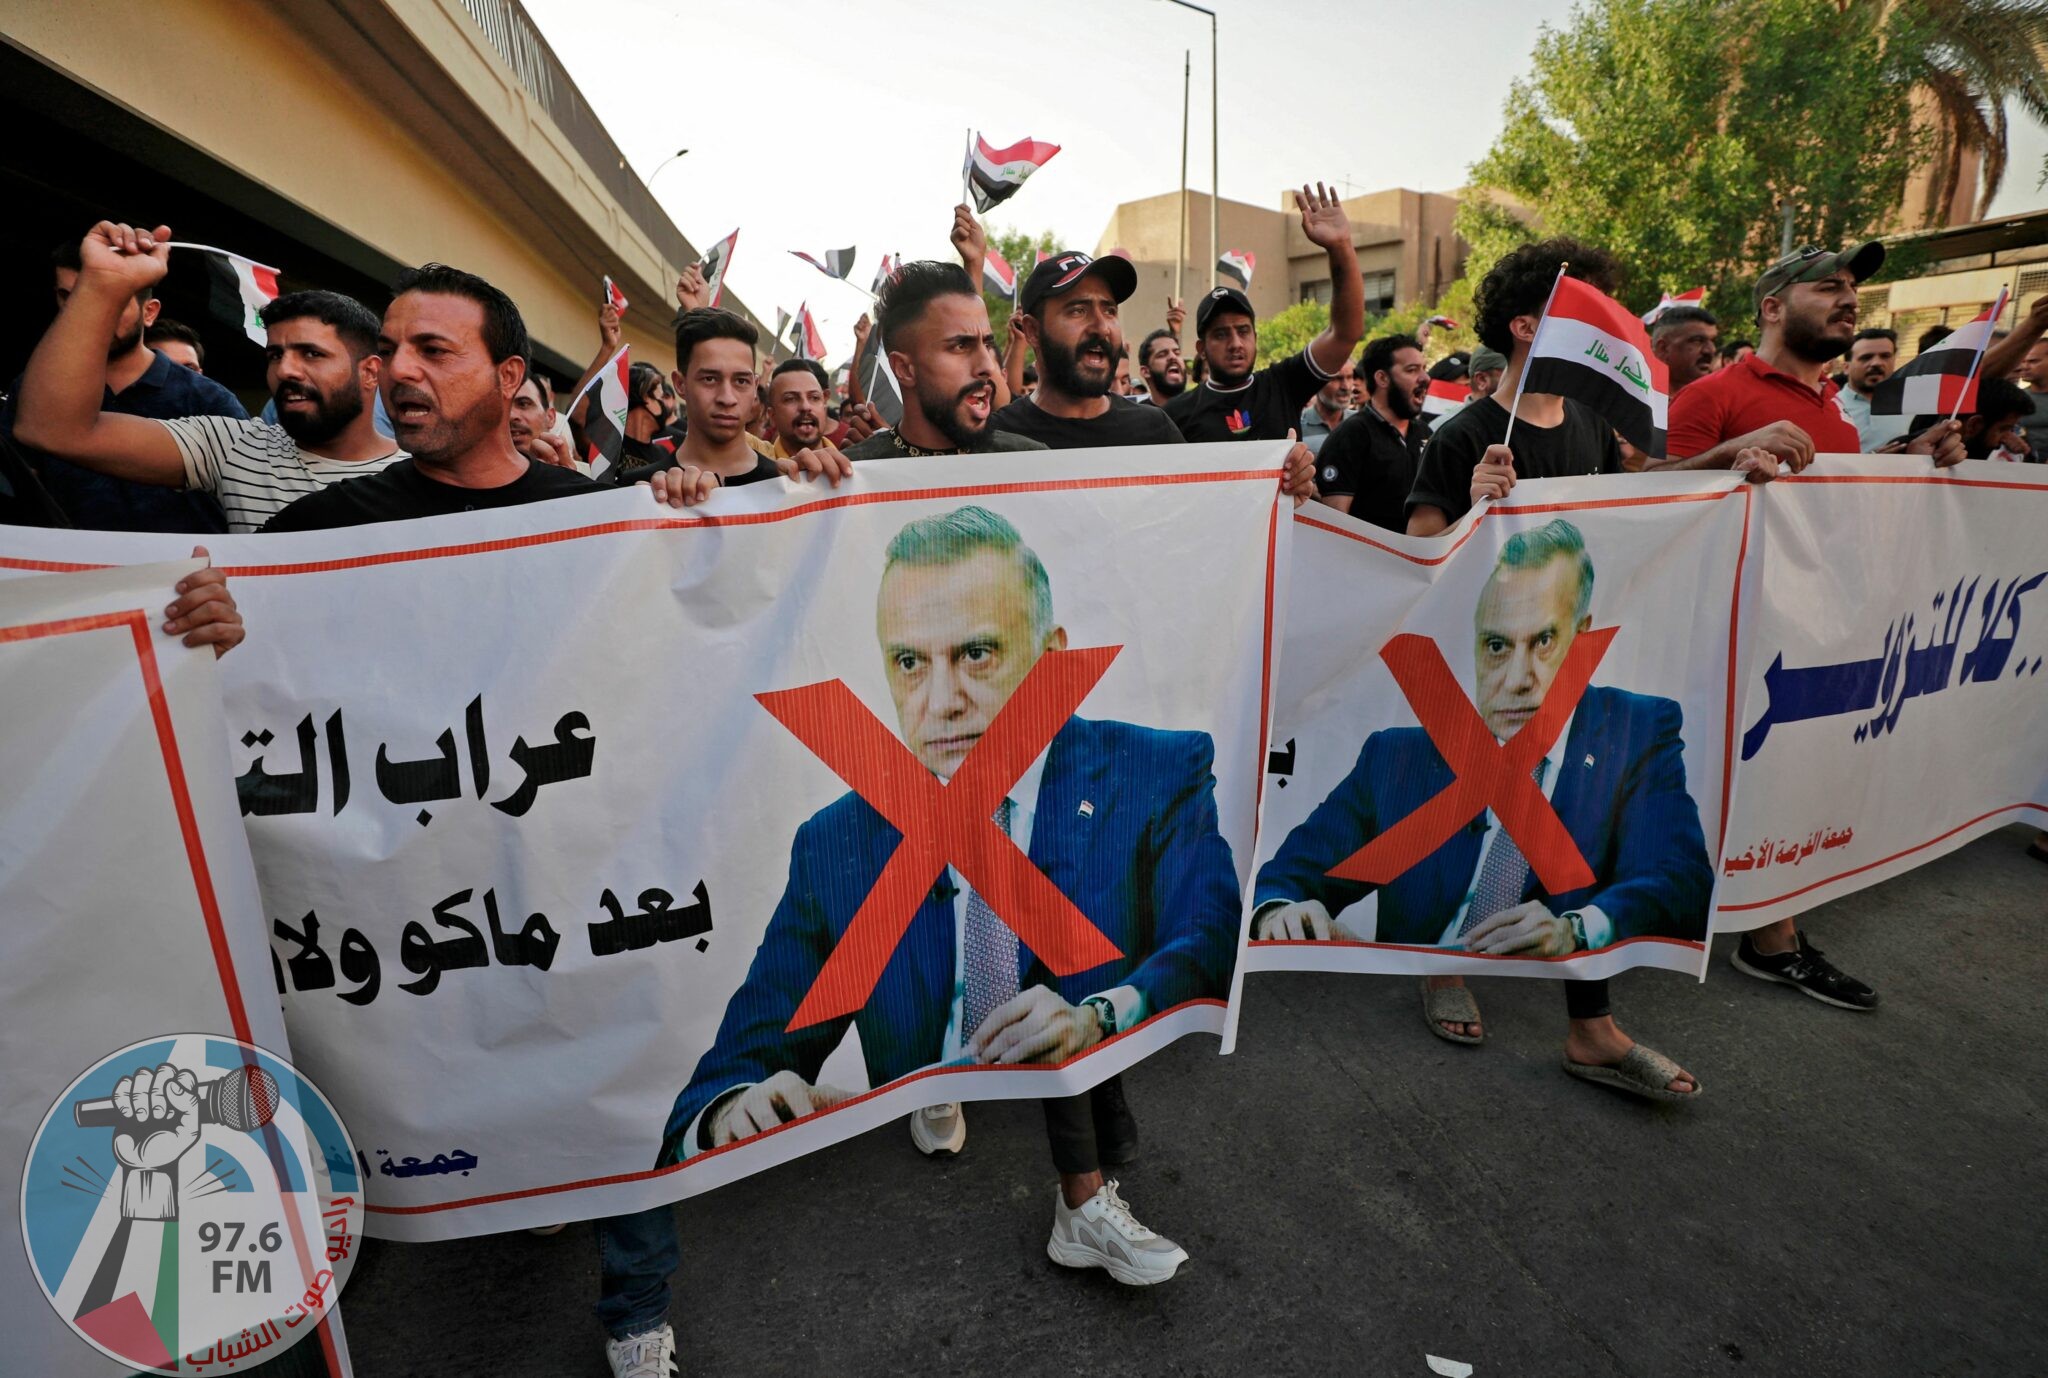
[1672, 133]
[1288, 332]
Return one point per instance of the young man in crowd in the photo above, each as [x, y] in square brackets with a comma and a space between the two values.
[137, 380]
[1367, 465]
[1684, 338]
[650, 407]
[2033, 372]
[323, 371]
[1993, 429]
[1471, 457]
[1873, 354]
[1236, 403]
[177, 342]
[1326, 411]
[1160, 367]
[715, 376]
[1067, 311]
[799, 396]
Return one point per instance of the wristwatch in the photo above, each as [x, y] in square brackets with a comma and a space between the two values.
[1105, 1013]
[1578, 923]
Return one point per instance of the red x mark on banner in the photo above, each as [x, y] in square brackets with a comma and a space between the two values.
[1487, 774]
[945, 824]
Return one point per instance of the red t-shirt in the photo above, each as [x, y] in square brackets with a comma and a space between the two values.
[1749, 395]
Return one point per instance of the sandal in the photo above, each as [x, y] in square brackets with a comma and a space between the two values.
[2038, 848]
[1454, 1003]
[1642, 1072]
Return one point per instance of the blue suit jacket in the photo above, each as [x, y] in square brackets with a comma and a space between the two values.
[1621, 794]
[1146, 865]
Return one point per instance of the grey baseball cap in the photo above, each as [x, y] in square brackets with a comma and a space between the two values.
[1813, 263]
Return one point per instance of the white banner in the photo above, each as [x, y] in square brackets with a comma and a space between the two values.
[552, 816]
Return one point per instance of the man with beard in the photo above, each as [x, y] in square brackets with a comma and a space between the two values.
[321, 371]
[1368, 463]
[140, 381]
[798, 408]
[1326, 411]
[1779, 397]
[1233, 402]
[1067, 313]
[1160, 366]
[1684, 338]
[942, 352]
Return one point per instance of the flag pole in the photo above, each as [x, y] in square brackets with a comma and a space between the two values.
[1187, 77]
[1535, 340]
[967, 172]
[1996, 312]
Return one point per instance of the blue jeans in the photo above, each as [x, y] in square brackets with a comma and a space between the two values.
[635, 1256]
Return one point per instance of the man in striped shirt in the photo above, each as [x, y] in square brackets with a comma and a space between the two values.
[322, 371]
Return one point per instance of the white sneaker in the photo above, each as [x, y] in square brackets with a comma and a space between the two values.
[1102, 1233]
[650, 1354]
[939, 1129]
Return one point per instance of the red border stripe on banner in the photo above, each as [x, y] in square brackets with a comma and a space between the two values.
[1881, 861]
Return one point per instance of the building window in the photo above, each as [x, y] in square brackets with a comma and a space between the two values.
[1318, 292]
[1379, 292]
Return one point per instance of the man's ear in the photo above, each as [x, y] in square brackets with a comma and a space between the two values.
[151, 309]
[369, 372]
[1585, 624]
[904, 369]
[1027, 326]
[511, 373]
[675, 380]
[1523, 328]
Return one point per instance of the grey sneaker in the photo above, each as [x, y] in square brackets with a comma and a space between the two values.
[1102, 1233]
[650, 1354]
[939, 1129]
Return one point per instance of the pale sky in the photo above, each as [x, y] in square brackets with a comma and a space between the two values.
[814, 124]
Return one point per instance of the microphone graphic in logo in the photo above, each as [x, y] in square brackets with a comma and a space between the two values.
[192, 1201]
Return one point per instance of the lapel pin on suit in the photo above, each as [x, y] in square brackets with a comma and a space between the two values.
[1588, 762]
[1087, 810]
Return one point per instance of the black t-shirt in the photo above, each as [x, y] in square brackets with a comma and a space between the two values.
[1265, 407]
[1125, 423]
[890, 445]
[1367, 459]
[402, 492]
[1580, 444]
[764, 468]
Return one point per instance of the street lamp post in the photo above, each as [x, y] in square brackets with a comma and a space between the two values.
[649, 183]
[1215, 189]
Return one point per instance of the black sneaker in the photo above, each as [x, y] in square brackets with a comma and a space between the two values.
[1805, 970]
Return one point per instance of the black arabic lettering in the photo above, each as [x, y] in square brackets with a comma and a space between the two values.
[418, 782]
[266, 795]
[359, 963]
[310, 967]
[533, 946]
[657, 922]
[569, 757]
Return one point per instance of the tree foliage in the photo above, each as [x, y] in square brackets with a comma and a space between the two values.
[1672, 133]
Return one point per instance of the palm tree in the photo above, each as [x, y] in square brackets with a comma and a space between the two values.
[1966, 59]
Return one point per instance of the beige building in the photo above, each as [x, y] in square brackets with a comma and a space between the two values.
[1407, 248]
[1966, 266]
[338, 140]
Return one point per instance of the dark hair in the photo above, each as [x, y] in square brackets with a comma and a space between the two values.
[1729, 348]
[65, 255]
[354, 322]
[1145, 349]
[540, 383]
[1676, 316]
[1031, 375]
[1378, 356]
[1998, 397]
[1932, 336]
[504, 327]
[702, 323]
[641, 379]
[1874, 333]
[164, 328]
[906, 295]
[810, 366]
[1519, 284]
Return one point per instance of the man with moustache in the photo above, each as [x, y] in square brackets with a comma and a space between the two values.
[1067, 313]
[321, 370]
[532, 423]
[1160, 366]
[799, 396]
[1685, 338]
[1368, 464]
[1326, 411]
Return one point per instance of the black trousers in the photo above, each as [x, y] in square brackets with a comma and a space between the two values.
[1585, 999]
[1077, 1126]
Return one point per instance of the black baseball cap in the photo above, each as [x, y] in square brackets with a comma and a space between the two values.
[1062, 270]
[1813, 263]
[1221, 299]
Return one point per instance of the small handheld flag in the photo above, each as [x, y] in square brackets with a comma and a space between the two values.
[242, 287]
[810, 344]
[1445, 397]
[1237, 265]
[604, 424]
[877, 381]
[1590, 348]
[837, 263]
[887, 270]
[716, 263]
[998, 276]
[613, 297]
[991, 176]
[1941, 381]
[1695, 297]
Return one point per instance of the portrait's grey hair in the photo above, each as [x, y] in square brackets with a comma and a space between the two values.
[1556, 539]
[960, 533]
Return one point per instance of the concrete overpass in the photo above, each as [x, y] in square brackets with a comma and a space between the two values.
[339, 140]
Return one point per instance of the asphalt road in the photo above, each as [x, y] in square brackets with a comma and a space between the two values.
[1853, 1194]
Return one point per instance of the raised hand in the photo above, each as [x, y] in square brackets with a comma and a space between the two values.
[134, 258]
[1322, 217]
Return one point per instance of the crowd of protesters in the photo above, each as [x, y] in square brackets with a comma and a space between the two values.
[434, 406]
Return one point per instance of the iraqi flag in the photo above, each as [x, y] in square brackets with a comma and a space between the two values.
[890, 263]
[604, 424]
[1237, 265]
[1590, 348]
[809, 343]
[837, 263]
[242, 287]
[715, 263]
[1941, 381]
[998, 276]
[613, 297]
[1444, 398]
[991, 176]
[877, 380]
[1696, 297]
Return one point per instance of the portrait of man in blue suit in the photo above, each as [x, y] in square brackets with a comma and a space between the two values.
[1615, 777]
[1121, 819]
